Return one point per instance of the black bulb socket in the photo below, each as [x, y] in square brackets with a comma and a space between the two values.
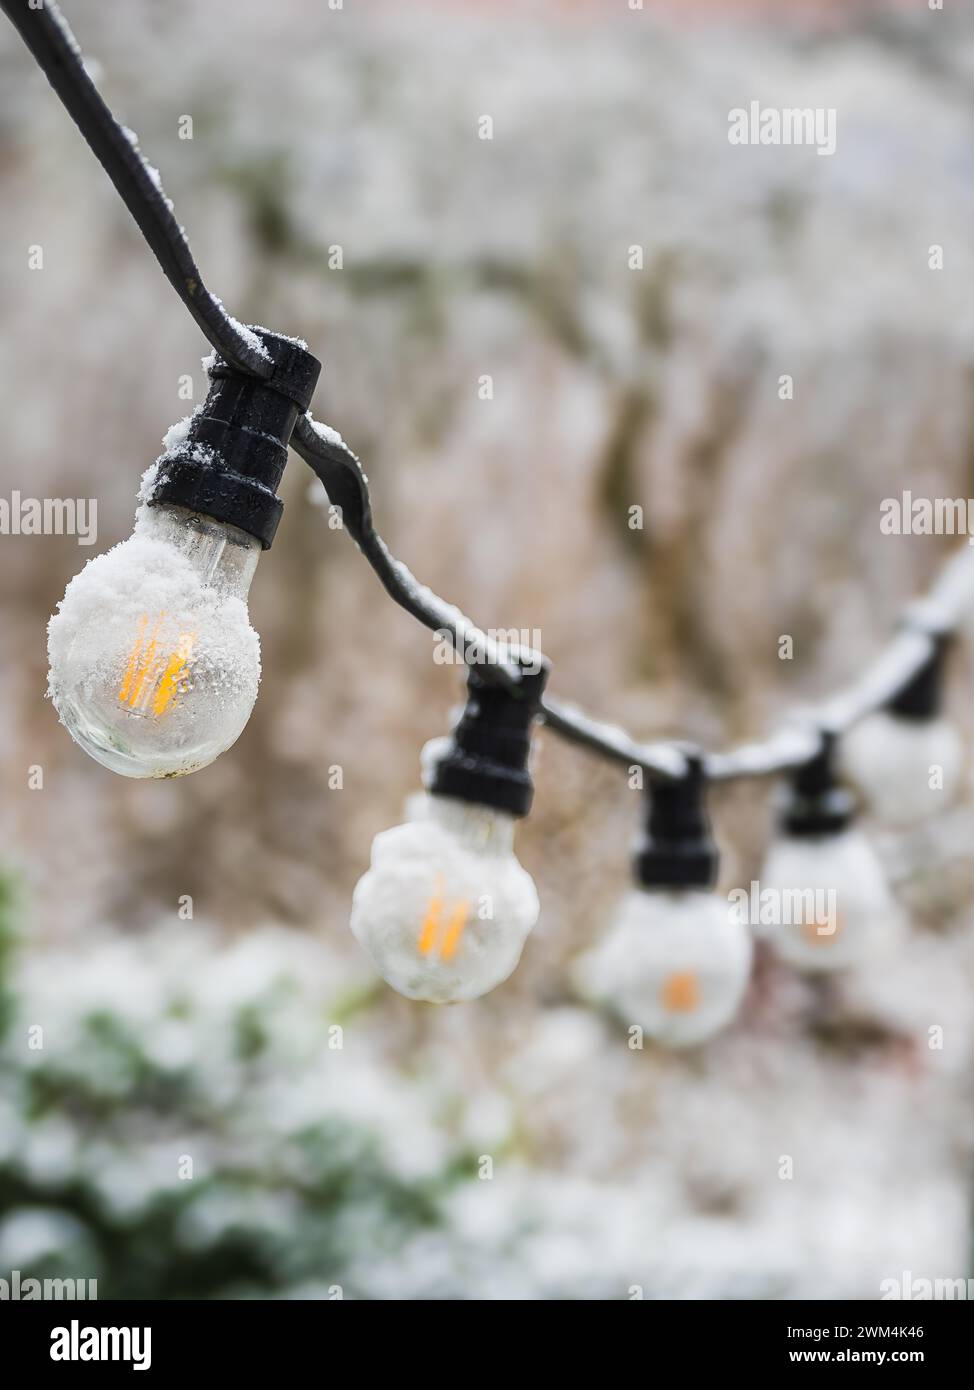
[920, 699]
[677, 849]
[815, 802]
[231, 461]
[486, 758]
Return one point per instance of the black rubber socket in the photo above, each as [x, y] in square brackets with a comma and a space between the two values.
[230, 464]
[486, 760]
[816, 803]
[677, 849]
[921, 698]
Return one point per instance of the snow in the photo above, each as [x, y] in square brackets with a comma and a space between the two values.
[298, 342]
[150, 169]
[175, 438]
[327, 433]
[247, 334]
[153, 475]
[176, 434]
[66, 33]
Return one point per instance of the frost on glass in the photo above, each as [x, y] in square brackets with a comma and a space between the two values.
[445, 908]
[674, 963]
[860, 920]
[154, 665]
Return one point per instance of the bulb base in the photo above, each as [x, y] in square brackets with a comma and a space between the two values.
[486, 759]
[921, 698]
[230, 464]
[816, 803]
[677, 849]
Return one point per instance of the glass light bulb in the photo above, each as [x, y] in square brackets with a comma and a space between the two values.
[830, 899]
[445, 908]
[675, 963]
[906, 769]
[154, 664]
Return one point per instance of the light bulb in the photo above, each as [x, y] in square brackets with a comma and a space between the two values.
[154, 663]
[907, 769]
[445, 908]
[830, 899]
[676, 963]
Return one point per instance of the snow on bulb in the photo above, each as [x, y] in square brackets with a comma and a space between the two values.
[154, 665]
[676, 963]
[833, 906]
[906, 769]
[445, 908]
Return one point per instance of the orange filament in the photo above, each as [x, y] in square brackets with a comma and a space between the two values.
[133, 660]
[429, 932]
[454, 931]
[168, 687]
[146, 662]
[431, 922]
[681, 992]
[157, 675]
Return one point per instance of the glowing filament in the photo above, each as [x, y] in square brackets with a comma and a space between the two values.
[152, 679]
[681, 992]
[429, 931]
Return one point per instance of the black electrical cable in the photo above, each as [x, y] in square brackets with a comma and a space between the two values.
[53, 46]
[347, 487]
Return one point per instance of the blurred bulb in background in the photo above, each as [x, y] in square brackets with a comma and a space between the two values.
[675, 963]
[677, 959]
[830, 901]
[834, 901]
[906, 769]
[445, 908]
[906, 760]
[154, 665]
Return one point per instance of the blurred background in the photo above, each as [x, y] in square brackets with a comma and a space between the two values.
[314, 1165]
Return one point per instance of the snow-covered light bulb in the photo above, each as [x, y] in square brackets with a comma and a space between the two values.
[154, 665]
[677, 959]
[828, 894]
[906, 760]
[445, 908]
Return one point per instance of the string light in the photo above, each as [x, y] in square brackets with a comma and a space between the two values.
[154, 670]
[676, 960]
[445, 909]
